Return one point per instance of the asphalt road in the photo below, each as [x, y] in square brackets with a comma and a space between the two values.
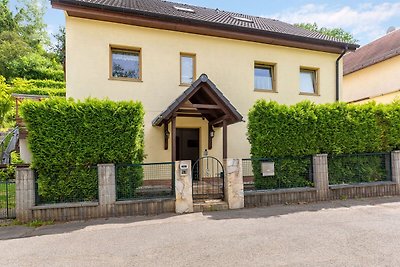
[341, 233]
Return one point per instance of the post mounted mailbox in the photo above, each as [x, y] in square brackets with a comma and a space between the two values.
[268, 168]
[184, 168]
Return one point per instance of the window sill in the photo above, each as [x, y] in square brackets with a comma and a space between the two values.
[265, 91]
[126, 80]
[185, 84]
[309, 94]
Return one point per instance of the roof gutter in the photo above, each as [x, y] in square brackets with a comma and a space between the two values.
[337, 72]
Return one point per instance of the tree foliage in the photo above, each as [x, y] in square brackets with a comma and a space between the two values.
[23, 43]
[58, 47]
[5, 100]
[338, 33]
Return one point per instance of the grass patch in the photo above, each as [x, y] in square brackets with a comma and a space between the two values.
[34, 224]
[3, 195]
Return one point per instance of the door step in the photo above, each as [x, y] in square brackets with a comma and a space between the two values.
[210, 205]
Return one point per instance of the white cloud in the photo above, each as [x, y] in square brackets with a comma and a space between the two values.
[366, 21]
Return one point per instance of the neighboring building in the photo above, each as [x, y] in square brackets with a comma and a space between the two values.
[155, 52]
[372, 72]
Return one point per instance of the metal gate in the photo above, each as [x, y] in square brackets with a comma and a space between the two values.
[208, 179]
[7, 199]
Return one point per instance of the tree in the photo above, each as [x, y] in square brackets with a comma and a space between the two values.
[12, 49]
[31, 25]
[338, 33]
[7, 22]
[58, 48]
[23, 39]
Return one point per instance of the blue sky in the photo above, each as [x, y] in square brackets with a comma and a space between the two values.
[366, 20]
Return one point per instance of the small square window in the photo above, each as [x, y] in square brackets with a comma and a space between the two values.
[264, 77]
[188, 69]
[125, 64]
[308, 81]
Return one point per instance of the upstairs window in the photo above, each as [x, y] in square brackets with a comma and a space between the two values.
[125, 64]
[188, 68]
[308, 81]
[264, 77]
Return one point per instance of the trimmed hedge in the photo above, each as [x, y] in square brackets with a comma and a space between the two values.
[276, 130]
[19, 82]
[40, 91]
[68, 138]
[38, 87]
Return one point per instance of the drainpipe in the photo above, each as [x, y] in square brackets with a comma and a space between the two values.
[337, 72]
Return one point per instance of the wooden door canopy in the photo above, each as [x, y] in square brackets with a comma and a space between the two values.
[202, 99]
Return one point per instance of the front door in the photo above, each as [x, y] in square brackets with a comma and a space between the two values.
[187, 144]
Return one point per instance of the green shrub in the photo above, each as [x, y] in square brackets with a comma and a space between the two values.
[276, 130]
[7, 173]
[40, 91]
[67, 138]
[38, 67]
[5, 100]
[48, 84]
[38, 87]
[289, 173]
[350, 169]
[128, 178]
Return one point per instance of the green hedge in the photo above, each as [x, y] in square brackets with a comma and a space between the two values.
[359, 168]
[38, 87]
[276, 130]
[39, 91]
[289, 172]
[49, 84]
[67, 138]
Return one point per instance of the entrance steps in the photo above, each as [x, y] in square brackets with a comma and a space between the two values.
[210, 205]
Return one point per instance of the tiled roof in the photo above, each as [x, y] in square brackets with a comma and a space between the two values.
[379, 50]
[207, 16]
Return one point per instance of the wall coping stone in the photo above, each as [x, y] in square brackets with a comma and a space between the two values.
[124, 202]
[340, 186]
[279, 191]
[66, 205]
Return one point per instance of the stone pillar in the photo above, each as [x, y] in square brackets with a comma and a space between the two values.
[25, 194]
[107, 188]
[395, 158]
[233, 183]
[321, 176]
[183, 187]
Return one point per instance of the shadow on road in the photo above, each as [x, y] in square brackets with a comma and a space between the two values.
[13, 232]
[281, 210]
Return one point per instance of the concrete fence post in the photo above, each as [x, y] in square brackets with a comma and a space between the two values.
[183, 187]
[107, 188]
[233, 183]
[25, 194]
[395, 158]
[321, 176]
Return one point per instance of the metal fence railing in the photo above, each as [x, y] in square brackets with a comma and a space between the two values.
[7, 199]
[67, 185]
[145, 181]
[359, 168]
[277, 173]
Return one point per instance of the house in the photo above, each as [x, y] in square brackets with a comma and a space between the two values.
[371, 73]
[196, 70]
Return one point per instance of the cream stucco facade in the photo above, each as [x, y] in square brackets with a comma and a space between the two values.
[228, 63]
[379, 82]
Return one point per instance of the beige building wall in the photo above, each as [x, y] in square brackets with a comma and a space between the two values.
[377, 81]
[228, 63]
[382, 99]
